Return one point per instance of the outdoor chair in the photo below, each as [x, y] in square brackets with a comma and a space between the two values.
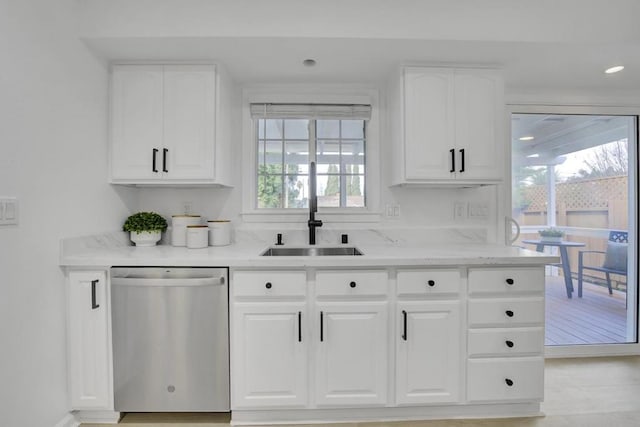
[615, 259]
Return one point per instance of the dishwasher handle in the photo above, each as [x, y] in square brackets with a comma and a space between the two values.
[159, 282]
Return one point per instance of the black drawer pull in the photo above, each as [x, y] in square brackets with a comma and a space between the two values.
[453, 160]
[94, 303]
[509, 343]
[352, 284]
[509, 313]
[154, 168]
[404, 325]
[509, 281]
[268, 285]
[508, 381]
[431, 283]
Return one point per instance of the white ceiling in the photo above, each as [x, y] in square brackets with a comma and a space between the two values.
[541, 44]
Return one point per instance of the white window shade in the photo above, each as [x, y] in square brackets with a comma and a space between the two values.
[311, 111]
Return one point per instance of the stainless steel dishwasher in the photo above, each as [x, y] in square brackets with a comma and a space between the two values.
[170, 339]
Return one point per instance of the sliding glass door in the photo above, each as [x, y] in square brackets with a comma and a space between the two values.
[573, 194]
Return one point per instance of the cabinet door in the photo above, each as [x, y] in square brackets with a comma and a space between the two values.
[90, 373]
[269, 355]
[479, 107]
[189, 122]
[428, 123]
[351, 364]
[136, 122]
[428, 352]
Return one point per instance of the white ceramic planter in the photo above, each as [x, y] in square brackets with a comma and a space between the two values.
[145, 238]
[551, 239]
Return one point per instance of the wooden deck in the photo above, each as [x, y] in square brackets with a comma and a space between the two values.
[595, 318]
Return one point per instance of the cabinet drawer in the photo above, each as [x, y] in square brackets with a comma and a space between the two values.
[269, 283]
[506, 342]
[341, 283]
[506, 311]
[425, 282]
[505, 379]
[509, 280]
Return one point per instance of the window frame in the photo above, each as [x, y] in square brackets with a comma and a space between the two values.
[317, 94]
[312, 156]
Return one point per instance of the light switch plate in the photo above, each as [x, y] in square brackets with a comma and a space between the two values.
[8, 211]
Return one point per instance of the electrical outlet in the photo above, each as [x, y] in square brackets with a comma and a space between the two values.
[459, 211]
[392, 211]
[9, 211]
[187, 207]
[478, 211]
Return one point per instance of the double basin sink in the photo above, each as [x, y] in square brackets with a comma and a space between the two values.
[312, 251]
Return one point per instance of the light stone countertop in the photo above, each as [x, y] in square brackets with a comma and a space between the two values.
[114, 249]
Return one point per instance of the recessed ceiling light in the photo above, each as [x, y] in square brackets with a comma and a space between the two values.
[614, 69]
[526, 138]
[309, 62]
[533, 156]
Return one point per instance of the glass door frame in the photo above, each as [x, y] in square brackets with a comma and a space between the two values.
[591, 350]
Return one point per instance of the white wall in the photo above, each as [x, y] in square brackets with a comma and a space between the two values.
[53, 149]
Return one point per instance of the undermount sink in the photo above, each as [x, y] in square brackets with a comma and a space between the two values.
[326, 251]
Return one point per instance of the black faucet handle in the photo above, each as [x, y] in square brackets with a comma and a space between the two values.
[279, 239]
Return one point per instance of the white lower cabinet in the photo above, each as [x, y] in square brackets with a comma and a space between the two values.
[351, 356]
[89, 341]
[428, 352]
[506, 335]
[270, 367]
[309, 344]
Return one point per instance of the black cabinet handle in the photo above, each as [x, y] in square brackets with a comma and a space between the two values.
[462, 160]
[164, 160]
[154, 167]
[321, 327]
[404, 325]
[509, 313]
[431, 283]
[508, 381]
[509, 281]
[299, 326]
[94, 304]
[352, 284]
[509, 343]
[453, 160]
[268, 285]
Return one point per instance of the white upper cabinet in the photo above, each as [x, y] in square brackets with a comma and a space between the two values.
[166, 125]
[450, 126]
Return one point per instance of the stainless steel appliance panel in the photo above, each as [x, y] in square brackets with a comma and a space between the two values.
[170, 339]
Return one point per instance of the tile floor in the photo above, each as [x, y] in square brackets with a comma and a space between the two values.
[593, 392]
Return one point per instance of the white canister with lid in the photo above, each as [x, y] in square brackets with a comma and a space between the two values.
[179, 225]
[197, 236]
[219, 232]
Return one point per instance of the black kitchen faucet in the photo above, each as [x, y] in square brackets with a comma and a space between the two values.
[313, 223]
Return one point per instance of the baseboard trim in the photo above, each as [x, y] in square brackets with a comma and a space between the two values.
[315, 416]
[97, 417]
[68, 421]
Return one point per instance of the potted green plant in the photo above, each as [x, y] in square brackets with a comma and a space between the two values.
[145, 228]
[551, 234]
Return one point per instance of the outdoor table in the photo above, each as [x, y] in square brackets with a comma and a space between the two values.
[564, 257]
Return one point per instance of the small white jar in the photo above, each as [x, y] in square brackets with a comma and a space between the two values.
[219, 232]
[179, 225]
[197, 236]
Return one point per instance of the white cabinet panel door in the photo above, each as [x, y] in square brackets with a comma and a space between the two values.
[269, 355]
[351, 365]
[189, 121]
[428, 360]
[136, 122]
[479, 107]
[90, 373]
[429, 127]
